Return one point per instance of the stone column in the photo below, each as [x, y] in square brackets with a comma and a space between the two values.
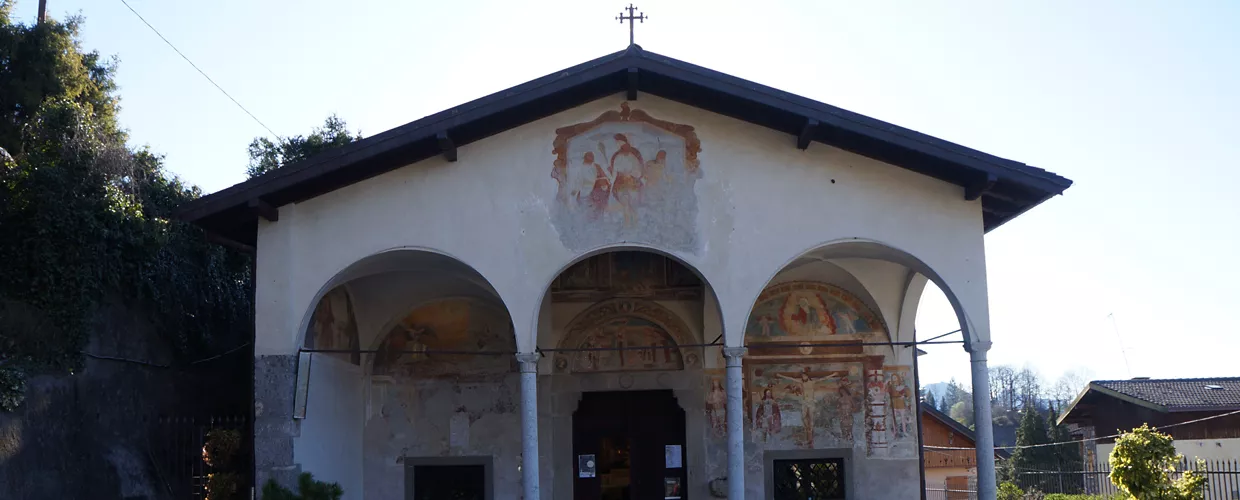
[986, 486]
[529, 423]
[736, 422]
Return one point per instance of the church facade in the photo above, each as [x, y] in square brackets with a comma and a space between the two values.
[635, 278]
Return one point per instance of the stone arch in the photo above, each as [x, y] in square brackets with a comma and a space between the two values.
[710, 296]
[428, 263]
[870, 249]
[618, 321]
[461, 338]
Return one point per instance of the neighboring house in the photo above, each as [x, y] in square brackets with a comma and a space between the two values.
[1107, 407]
[632, 278]
[953, 470]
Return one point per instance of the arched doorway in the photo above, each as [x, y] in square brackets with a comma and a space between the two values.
[631, 335]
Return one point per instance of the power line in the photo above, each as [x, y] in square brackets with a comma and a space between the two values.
[1086, 440]
[200, 71]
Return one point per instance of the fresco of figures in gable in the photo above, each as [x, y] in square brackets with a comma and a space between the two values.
[625, 335]
[333, 327]
[455, 338]
[626, 175]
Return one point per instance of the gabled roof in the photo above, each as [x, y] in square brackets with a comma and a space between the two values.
[1007, 188]
[1166, 395]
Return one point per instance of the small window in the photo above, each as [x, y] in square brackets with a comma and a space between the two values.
[809, 479]
[448, 478]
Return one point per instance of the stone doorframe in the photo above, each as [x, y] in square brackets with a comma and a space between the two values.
[566, 391]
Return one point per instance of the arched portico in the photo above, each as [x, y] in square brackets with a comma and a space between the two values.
[392, 321]
[619, 322]
[896, 279]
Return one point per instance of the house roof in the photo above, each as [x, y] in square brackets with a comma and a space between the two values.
[1006, 188]
[1166, 395]
[929, 411]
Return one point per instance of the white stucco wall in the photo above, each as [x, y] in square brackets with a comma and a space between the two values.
[761, 204]
[330, 441]
[1205, 449]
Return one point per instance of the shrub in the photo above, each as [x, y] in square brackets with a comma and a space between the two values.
[307, 489]
[1142, 464]
[1009, 491]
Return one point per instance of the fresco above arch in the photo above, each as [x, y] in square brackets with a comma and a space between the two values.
[334, 327]
[415, 345]
[810, 311]
[626, 175]
[626, 335]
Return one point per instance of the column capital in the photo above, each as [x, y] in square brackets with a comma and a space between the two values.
[529, 361]
[977, 347]
[734, 355]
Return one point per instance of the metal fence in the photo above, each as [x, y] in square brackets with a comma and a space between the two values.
[1222, 479]
[941, 491]
[176, 453]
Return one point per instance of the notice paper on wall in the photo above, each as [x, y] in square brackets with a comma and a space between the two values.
[671, 488]
[671, 456]
[585, 465]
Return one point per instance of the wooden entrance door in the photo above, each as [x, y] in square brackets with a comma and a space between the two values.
[629, 439]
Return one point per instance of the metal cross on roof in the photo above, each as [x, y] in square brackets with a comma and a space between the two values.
[641, 18]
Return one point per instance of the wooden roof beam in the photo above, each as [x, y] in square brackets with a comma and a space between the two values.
[980, 187]
[262, 209]
[446, 146]
[807, 133]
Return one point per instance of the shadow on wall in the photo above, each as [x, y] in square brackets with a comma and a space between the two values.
[92, 434]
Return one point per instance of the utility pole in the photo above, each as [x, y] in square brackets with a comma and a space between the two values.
[42, 11]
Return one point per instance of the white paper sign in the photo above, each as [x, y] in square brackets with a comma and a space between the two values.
[585, 465]
[671, 456]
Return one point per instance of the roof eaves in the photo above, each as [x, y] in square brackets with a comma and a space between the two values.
[843, 118]
[949, 421]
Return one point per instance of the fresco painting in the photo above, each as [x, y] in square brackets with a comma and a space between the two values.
[807, 311]
[626, 274]
[620, 174]
[333, 327]
[626, 335]
[876, 412]
[804, 391]
[716, 403]
[808, 404]
[901, 398]
[457, 324]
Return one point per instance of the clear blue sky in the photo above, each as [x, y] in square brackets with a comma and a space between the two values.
[1138, 102]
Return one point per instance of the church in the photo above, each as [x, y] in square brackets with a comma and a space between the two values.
[635, 278]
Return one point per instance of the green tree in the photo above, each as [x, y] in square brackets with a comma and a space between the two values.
[928, 399]
[1142, 463]
[87, 220]
[1065, 457]
[266, 155]
[1031, 433]
[962, 412]
[46, 60]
